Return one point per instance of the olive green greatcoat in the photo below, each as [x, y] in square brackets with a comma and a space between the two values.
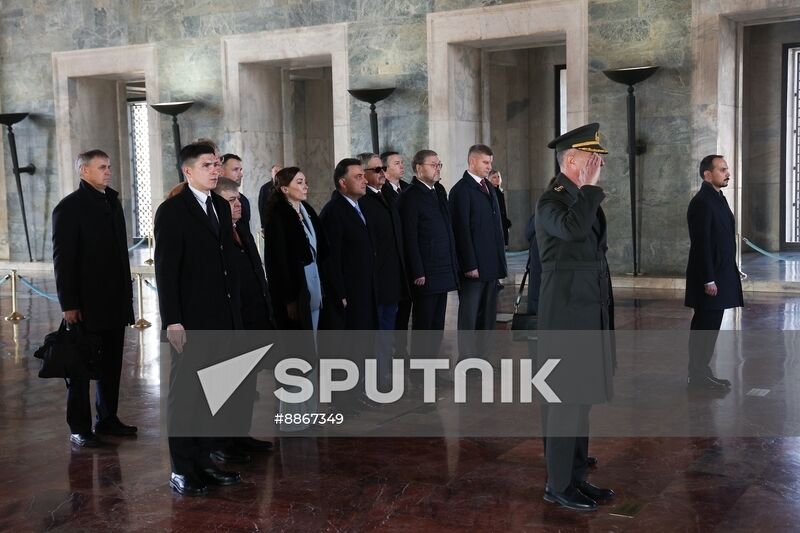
[576, 291]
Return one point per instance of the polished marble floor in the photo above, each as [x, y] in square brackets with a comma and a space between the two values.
[377, 484]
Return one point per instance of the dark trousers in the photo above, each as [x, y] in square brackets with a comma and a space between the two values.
[384, 339]
[566, 436]
[702, 339]
[429, 311]
[189, 455]
[477, 305]
[401, 328]
[79, 411]
[477, 314]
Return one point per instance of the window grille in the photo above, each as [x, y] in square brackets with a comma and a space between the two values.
[140, 162]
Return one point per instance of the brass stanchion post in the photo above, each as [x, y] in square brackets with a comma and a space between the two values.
[141, 323]
[15, 315]
[149, 261]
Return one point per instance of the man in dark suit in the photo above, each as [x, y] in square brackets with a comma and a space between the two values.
[93, 279]
[232, 170]
[575, 294]
[198, 289]
[256, 315]
[394, 175]
[391, 190]
[429, 243]
[390, 270]
[478, 229]
[351, 264]
[713, 280]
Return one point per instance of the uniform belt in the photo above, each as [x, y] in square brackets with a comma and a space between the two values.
[573, 265]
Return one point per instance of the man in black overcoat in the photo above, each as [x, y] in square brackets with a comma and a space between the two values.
[391, 190]
[256, 316]
[198, 289]
[93, 279]
[478, 230]
[575, 294]
[430, 249]
[391, 281]
[351, 264]
[713, 280]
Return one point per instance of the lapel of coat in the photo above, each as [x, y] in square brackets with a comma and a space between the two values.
[198, 212]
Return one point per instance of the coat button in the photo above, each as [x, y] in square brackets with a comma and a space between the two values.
[225, 272]
[220, 247]
[229, 296]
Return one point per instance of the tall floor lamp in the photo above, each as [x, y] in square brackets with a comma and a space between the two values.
[9, 119]
[630, 77]
[174, 109]
[372, 97]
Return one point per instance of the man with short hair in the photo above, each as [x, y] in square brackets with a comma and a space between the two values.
[352, 252]
[93, 279]
[198, 289]
[713, 280]
[394, 175]
[478, 230]
[575, 294]
[429, 242]
[256, 313]
[391, 281]
[232, 170]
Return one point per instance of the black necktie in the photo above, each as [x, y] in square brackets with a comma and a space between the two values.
[211, 216]
[483, 186]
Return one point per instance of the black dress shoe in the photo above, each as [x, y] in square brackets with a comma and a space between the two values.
[85, 440]
[591, 461]
[230, 456]
[186, 485]
[253, 445]
[723, 382]
[707, 384]
[571, 499]
[214, 476]
[113, 426]
[595, 493]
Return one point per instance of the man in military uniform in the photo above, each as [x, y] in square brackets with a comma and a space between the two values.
[575, 294]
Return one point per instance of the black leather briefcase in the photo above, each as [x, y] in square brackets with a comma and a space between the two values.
[70, 353]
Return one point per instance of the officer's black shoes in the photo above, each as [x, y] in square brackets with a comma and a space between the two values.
[707, 383]
[215, 476]
[595, 493]
[186, 485]
[571, 499]
[230, 456]
[113, 426]
[591, 461]
[85, 440]
[721, 381]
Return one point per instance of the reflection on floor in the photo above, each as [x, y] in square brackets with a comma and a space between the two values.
[433, 484]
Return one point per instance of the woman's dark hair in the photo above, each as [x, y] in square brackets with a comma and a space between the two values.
[282, 179]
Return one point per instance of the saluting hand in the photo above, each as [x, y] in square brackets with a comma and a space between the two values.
[590, 174]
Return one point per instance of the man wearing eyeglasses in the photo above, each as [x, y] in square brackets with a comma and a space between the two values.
[429, 243]
[478, 229]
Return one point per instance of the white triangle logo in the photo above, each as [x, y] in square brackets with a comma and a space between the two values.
[221, 380]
